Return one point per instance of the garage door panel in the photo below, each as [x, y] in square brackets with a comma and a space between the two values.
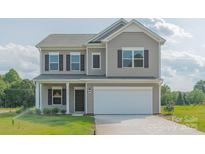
[112, 100]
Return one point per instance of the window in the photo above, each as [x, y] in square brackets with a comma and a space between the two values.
[96, 59]
[133, 57]
[53, 61]
[57, 95]
[75, 61]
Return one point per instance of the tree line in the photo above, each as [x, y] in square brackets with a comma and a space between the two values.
[15, 91]
[196, 96]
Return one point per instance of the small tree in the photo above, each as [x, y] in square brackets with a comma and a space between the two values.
[169, 108]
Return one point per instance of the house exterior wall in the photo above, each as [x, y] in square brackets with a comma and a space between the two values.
[64, 53]
[155, 86]
[133, 39]
[100, 71]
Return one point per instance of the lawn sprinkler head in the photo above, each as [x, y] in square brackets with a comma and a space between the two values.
[12, 121]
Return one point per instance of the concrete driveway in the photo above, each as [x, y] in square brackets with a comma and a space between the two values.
[139, 125]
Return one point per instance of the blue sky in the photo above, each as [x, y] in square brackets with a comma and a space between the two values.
[183, 56]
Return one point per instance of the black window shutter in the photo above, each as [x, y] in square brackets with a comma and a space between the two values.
[146, 58]
[82, 62]
[49, 96]
[68, 62]
[61, 62]
[119, 58]
[64, 97]
[46, 62]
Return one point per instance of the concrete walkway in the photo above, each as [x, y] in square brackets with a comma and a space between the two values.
[139, 125]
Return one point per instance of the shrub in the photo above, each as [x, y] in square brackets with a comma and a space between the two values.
[169, 108]
[46, 111]
[20, 110]
[37, 111]
[30, 111]
[54, 110]
[63, 111]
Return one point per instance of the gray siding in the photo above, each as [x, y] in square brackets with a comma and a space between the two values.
[134, 39]
[42, 62]
[96, 71]
[156, 92]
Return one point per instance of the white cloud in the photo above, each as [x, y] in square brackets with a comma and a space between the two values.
[170, 31]
[182, 69]
[25, 59]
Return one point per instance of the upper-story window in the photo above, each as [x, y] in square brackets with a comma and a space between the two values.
[132, 57]
[96, 60]
[75, 61]
[54, 61]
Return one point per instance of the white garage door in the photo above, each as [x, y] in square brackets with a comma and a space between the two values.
[123, 100]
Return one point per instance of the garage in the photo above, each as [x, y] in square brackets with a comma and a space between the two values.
[123, 100]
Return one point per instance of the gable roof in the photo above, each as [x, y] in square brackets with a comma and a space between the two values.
[108, 31]
[65, 40]
[141, 27]
[79, 40]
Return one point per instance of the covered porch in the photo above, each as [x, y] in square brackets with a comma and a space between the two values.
[68, 96]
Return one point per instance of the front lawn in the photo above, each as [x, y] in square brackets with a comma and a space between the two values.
[190, 115]
[29, 124]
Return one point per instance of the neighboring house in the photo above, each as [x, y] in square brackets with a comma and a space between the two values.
[116, 71]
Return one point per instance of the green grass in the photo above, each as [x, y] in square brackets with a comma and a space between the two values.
[30, 124]
[190, 115]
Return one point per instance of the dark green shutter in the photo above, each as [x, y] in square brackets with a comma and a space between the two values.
[146, 58]
[68, 62]
[64, 97]
[61, 62]
[46, 62]
[49, 96]
[82, 62]
[119, 58]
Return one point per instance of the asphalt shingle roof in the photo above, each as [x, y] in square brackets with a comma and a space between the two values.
[65, 40]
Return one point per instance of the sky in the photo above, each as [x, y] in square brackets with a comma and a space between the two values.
[183, 56]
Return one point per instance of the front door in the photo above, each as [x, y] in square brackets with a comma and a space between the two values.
[79, 100]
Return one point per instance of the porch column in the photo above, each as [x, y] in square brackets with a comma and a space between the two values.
[37, 105]
[67, 98]
[86, 98]
[40, 97]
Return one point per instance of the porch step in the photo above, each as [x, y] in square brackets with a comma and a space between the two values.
[77, 114]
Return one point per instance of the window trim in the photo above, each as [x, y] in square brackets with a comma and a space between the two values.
[75, 53]
[54, 54]
[124, 49]
[96, 53]
[57, 88]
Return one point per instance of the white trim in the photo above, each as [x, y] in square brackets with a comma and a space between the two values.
[111, 26]
[145, 30]
[37, 101]
[100, 80]
[86, 97]
[133, 49]
[75, 54]
[57, 88]
[121, 87]
[53, 54]
[96, 53]
[40, 97]
[106, 61]
[67, 98]
[87, 60]
[79, 88]
[160, 60]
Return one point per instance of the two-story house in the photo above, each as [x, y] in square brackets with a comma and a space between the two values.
[116, 71]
